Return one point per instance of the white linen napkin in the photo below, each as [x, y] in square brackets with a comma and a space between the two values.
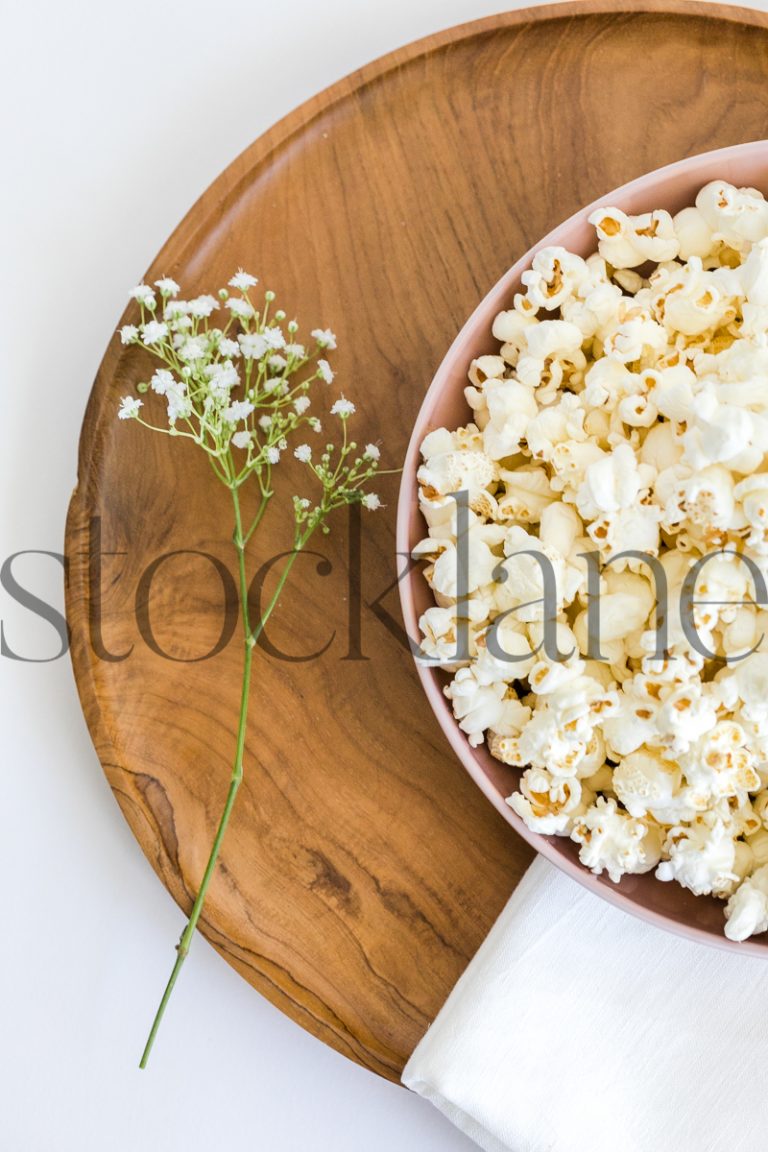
[579, 1028]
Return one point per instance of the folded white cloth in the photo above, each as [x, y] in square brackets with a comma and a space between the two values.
[579, 1028]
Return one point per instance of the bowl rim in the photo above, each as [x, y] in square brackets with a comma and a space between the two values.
[493, 299]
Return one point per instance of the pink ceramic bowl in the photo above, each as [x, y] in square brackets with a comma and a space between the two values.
[666, 905]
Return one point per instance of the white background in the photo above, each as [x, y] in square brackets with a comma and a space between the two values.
[106, 111]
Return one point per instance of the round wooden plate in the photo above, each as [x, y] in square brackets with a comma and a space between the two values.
[362, 868]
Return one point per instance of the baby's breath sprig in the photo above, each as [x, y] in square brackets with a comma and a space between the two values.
[236, 381]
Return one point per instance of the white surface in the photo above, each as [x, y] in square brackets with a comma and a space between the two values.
[551, 1043]
[106, 110]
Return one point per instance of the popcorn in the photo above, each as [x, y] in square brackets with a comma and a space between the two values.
[607, 382]
[560, 527]
[634, 723]
[476, 706]
[611, 483]
[672, 390]
[554, 277]
[511, 653]
[628, 280]
[624, 411]
[692, 301]
[457, 471]
[553, 338]
[647, 784]
[693, 233]
[737, 216]
[720, 433]
[742, 634]
[661, 448]
[751, 495]
[597, 300]
[702, 857]
[635, 336]
[749, 683]
[515, 715]
[614, 842]
[526, 494]
[753, 275]
[722, 583]
[560, 734]
[549, 804]
[544, 743]
[625, 605]
[627, 241]
[636, 527]
[486, 368]
[758, 845]
[510, 407]
[555, 424]
[510, 328]
[747, 910]
[570, 461]
[687, 712]
[720, 766]
[521, 574]
[740, 818]
[446, 571]
[441, 629]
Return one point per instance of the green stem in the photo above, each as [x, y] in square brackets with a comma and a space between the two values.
[266, 497]
[276, 595]
[237, 770]
[186, 936]
[234, 784]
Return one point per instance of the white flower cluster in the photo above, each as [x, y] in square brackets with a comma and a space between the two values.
[234, 376]
[626, 409]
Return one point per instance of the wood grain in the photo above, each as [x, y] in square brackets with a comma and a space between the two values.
[362, 868]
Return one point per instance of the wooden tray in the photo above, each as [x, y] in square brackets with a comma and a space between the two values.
[362, 868]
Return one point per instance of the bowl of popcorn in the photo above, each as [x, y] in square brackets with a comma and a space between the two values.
[585, 495]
